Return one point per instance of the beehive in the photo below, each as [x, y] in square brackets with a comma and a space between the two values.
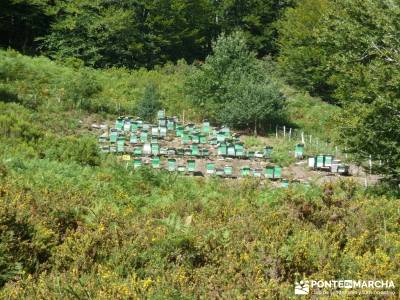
[228, 170]
[222, 149]
[155, 162]
[210, 167]
[171, 164]
[155, 149]
[191, 165]
[245, 171]
[137, 162]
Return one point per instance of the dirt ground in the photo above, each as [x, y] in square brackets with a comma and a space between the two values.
[298, 171]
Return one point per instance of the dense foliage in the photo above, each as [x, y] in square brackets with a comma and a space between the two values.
[232, 87]
[348, 51]
[149, 104]
[135, 33]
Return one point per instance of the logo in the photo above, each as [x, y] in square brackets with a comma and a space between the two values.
[319, 287]
[301, 288]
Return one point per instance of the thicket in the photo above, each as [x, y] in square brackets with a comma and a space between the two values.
[233, 88]
[41, 84]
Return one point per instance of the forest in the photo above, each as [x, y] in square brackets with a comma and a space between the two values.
[77, 223]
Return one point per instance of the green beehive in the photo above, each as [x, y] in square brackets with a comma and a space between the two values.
[154, 139]
[220, 136]
[113, 135]
[195, 137]
[299, 151]
[250, 154]
[195, 150]
[285, 183]
[320, 161]
[162, 122]
[239, 149]
[137, 162]
[277, 172]
[155, 149]
[155, 162]
[133, 138]
[269, 172]
[120, 145]
[191, 165]
[228, 170]
[267, 151]
[222, 149]
[171, 164]
[205, 153]
[231, 150]
[206, 127]
[245, 171]
[119, 123]
[185, 138]
[170, 124]
[161, 114]
[143, 137]
[328, 161]
[179, 131]
[202, 139]
[137, 151]
[163, 131]
[134, 126]
[257, 172]
[210, 167]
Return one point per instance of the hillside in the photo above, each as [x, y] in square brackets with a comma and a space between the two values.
[76, 223]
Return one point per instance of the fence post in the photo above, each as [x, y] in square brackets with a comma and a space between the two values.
[302, 137]
[276, 131]
[370, 164]
[284, 131]
[290, 133]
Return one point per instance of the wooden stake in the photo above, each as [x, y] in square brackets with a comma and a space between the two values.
[370, 164]
[302, 137]
[284, 131]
